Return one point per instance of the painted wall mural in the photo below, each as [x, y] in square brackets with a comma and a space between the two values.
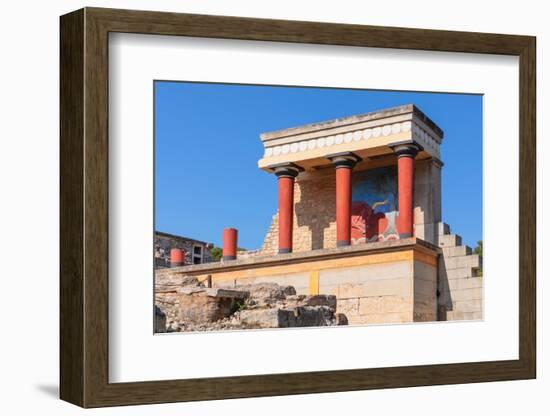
[374, 205]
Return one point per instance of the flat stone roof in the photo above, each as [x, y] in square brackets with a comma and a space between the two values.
[301, 257]
[358, 118]
[370, 135]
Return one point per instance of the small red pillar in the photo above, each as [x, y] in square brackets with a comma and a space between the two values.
[229, 250]
[177, 257]
[344, 164]
[286, 174]
[405, 188]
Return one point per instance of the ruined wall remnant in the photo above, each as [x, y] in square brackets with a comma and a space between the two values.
[195, 251]
[193, 307]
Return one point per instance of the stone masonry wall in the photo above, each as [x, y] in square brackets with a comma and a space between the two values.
[314, 214]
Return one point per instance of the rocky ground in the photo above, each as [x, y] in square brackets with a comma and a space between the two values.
[184, 304]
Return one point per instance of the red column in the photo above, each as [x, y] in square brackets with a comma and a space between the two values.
[229, 250]
[286, 213]
[405, 188]
[286, 174]
[177, 257]
[344, 164]
[343, 206]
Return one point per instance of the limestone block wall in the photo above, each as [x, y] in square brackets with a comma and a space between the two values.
[394, 287]
[378, 293]
[425, 290]
[314, 214]
[460, 287]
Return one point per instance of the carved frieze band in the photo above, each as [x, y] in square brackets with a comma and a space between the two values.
[429, 143]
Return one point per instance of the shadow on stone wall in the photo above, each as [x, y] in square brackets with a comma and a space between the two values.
[444, 298]
[316, 210]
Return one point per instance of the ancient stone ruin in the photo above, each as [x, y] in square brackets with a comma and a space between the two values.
[185, 304]
[358, 236]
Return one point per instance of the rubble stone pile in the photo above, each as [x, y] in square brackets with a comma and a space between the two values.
[187, 305]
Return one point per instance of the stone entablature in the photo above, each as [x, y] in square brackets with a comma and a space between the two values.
[366, 135]
[403, 202]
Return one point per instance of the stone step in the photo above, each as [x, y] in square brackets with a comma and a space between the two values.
[457, 251]
[460, 273]
[450, 240]
[460, 262]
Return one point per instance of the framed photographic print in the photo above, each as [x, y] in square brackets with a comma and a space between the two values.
[255, 207]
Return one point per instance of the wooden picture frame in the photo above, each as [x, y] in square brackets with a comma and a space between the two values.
[84, 207]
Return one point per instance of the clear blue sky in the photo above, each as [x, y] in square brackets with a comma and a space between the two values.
[208, 145]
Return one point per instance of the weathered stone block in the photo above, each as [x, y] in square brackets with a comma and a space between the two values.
[321, 300]
[298, 281]
[160, 320]
[467, 305]
[385, 318]
[459, 273]
[426, 232]
[457, 251]
[466, 283]
[464, 316]
[384, 304]
[208, 305]
[349, 307]
[262, 318]
[397, 287]
[267, 290]
[165, 282]
[425, 287]
[460, 262]
[424, 271]
[450, 240]
[286, 318]
[426, 305]
[466, 294]
[424, 316]
[367, 273]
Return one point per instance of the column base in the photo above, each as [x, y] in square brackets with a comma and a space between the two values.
[405, 235]
[176, 264]
[285, 250]
[229, 257]
[343, 243]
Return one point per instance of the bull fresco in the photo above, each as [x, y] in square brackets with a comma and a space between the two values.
[374, 206]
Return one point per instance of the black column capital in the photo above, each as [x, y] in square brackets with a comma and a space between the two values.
[344, 159]
[407, 149]
[286, 170]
